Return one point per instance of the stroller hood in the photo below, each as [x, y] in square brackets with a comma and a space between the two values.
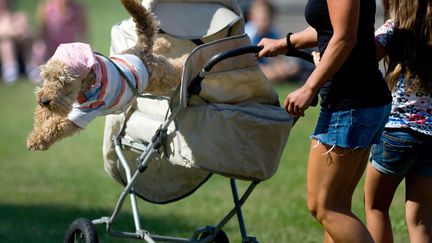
[192, 19]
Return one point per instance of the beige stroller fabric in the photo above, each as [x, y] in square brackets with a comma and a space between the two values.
[182, 21]
[162, 181]
[234, 80]
[212, 18]
[156, 184]
[194, 19]
[233, 127]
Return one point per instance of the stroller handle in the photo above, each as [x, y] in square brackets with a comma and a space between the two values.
[195, 85]
[250, 49]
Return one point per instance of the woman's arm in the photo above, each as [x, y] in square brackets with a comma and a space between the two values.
[303, 39]
[382, 36]
[344, 17]
[307, 38]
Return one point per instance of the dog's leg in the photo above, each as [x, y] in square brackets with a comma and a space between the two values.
[40, 116]
[50, 131]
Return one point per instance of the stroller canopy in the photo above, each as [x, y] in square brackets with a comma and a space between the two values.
[193, 19]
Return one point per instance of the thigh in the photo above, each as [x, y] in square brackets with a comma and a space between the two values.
[419, 198]
[423, 165]
[7, 48]
[379, 188]
[333, 173]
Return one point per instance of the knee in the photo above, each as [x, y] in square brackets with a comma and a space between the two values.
[315, 209]
[312, 210]
[323, 211]
[419, 221]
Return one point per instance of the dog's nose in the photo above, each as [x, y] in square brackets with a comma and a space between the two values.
[44, 102]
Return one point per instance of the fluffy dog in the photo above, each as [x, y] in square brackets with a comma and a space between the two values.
[80, 85]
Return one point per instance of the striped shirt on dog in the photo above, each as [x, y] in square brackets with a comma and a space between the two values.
[110, 93]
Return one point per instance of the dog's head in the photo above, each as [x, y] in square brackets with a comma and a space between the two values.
[60, 87]
[63, 76]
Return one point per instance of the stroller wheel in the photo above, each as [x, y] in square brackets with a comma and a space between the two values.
[81, 230]
[221, 237]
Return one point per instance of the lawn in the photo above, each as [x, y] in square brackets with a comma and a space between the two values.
[41, 193]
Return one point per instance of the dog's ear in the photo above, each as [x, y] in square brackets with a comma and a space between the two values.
[55, 70]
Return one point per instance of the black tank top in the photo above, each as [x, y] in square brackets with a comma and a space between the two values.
[359, 82]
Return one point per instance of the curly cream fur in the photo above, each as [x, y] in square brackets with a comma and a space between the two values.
[60, 88]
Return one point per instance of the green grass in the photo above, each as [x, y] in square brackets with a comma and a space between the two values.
[41, 193]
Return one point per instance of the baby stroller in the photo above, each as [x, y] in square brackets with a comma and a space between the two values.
[224, 118]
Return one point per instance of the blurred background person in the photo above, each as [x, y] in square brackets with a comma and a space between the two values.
[260, 23]
[61, 21]
[16, 40]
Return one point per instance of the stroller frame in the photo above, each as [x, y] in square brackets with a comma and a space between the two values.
[153, 148]
[84, 228]
[145, 235]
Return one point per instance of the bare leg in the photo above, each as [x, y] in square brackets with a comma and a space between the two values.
[419, 208]
[379, 192]
[8, 61]
[327, 238]
[31, 62]
[333, 174]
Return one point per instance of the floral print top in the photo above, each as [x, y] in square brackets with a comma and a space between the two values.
[410, 109]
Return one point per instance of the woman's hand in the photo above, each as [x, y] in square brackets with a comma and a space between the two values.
[272, 47]
[299, 100]
[316, 57]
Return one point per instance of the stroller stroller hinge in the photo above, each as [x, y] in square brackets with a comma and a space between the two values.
[159, 138]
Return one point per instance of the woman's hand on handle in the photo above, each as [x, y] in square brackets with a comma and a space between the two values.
[272, 47]
[306, 38]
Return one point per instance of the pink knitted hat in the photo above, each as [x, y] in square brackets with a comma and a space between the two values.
[79, 57]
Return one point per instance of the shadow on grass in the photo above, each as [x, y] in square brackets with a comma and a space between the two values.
[48, 223]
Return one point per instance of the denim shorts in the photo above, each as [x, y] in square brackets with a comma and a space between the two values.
[403, 151]
[353, 128]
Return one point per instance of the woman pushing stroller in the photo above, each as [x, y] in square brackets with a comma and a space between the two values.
[354, 108]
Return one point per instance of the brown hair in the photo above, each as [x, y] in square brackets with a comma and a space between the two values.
[410, 49]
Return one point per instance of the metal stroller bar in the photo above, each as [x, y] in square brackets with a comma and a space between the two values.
[140, 234]
[195, 86]
[131, 180]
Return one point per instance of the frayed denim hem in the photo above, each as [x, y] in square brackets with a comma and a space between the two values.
[334, 145]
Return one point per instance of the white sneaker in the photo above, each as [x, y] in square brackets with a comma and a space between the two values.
[10, 75]
[34, 76]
